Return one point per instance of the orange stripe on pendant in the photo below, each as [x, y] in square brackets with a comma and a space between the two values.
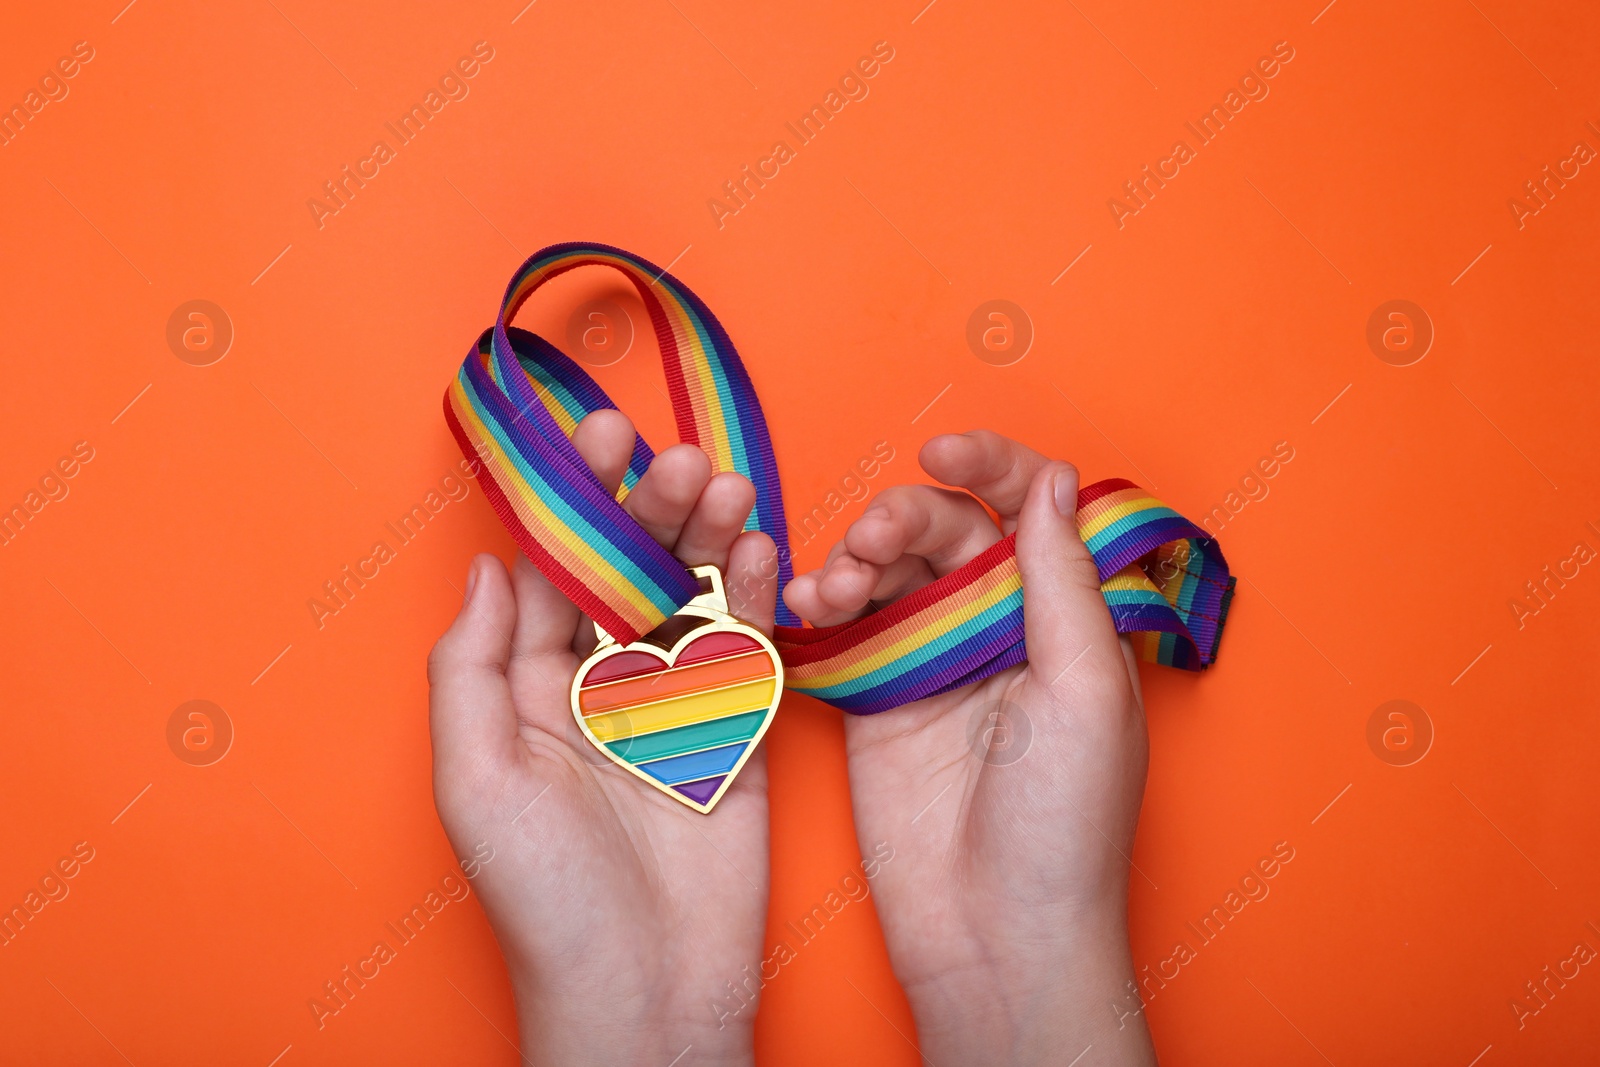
[677, 681]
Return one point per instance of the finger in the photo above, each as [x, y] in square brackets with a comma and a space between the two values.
[872, 585]
[1064, 614]
[945, 528]
[806, 589]
[541, 642]
[605, 439]
[828, 597]
[665, 496]
[801, 596]
[995, 469]
[752, 580]
[545, 618]
[469, 700]
[902, 578]
[846, 584]
[718, 517]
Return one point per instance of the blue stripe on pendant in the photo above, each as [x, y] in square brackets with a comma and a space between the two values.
[702, 764]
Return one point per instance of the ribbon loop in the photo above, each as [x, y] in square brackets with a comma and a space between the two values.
[517, 400]
[520, 398]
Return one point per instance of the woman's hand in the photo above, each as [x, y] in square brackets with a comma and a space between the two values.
[622, 914]
[1011, 803]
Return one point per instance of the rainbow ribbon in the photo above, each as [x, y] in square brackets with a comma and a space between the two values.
[517, 399]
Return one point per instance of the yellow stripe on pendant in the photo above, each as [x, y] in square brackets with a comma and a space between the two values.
[681, 711]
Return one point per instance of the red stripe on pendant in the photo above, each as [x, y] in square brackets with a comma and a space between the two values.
[634, 663]
[712, 646]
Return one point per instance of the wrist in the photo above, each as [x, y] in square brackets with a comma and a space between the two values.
[610, 1028]
[1037, 1000]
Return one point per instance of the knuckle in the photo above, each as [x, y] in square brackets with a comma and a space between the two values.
[448, 656]
[962, 507]
[1082, 571]
[438, 662]
[899, 498]
[988, 440]
[1075, 571]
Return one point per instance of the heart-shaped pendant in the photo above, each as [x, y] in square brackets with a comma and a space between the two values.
[684, 706]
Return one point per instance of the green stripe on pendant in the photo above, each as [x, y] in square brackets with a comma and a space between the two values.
[681, 739]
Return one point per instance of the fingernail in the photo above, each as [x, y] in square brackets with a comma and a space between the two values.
[472, 580]
[1066, 491]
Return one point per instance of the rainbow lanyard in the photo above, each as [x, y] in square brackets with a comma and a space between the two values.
[517, 399]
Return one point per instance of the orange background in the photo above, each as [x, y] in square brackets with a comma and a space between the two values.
[1224, 317]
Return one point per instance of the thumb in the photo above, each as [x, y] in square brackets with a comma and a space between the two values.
[470, 712]
[1065, 616]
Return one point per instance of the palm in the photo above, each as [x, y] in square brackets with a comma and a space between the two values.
[614, 904]
[672, 902]
[1011, 803]
[1001, 796]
